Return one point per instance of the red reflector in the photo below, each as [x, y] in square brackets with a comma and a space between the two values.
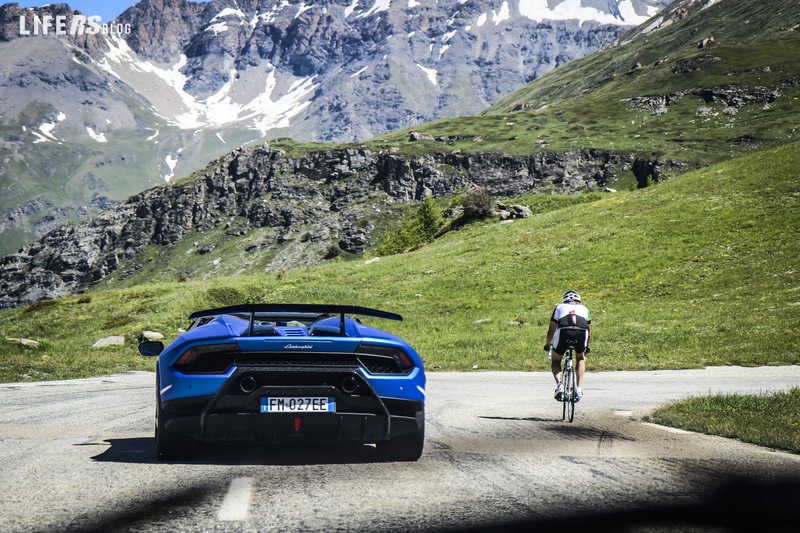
[297, 424]
[191, 355]
[405, 360]
[398, 354]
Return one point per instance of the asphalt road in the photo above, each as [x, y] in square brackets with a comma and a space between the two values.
[79, 456]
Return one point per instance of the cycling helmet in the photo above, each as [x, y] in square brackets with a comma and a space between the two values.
[571, 296]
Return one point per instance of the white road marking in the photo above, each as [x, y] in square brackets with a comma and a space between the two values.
[237, 500]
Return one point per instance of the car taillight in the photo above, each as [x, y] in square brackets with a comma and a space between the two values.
[207, 359]
[397, 355]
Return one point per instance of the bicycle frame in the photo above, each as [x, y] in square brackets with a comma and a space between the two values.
[569, 381]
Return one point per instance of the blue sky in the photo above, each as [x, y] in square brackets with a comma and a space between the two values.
[108, 10]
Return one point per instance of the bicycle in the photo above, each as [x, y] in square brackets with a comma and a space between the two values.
[569, 381]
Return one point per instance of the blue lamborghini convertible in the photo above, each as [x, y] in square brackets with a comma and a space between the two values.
[281, 373]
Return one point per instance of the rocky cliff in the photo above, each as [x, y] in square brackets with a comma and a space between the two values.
[315, 205]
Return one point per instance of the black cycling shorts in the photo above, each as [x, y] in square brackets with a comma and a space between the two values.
[564, 338]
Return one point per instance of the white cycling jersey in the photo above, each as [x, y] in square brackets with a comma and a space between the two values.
[576, 319]
[563, 310]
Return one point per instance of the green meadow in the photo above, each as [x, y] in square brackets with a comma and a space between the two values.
[693, 271]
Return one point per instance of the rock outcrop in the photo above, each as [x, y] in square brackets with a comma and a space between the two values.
[318, 205]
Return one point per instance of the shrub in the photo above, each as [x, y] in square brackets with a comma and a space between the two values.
[226, 295]
[478, 203]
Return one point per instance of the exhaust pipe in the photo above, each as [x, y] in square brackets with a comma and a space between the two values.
[248, 384]
[349, 385]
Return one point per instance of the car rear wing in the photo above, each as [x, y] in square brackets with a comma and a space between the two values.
[332, 309]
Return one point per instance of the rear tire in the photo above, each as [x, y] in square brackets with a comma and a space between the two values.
[168, 445]
[405, 447]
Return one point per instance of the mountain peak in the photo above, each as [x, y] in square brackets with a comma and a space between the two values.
[185, 82]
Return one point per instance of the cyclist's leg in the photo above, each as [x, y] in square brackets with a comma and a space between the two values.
[555, 366]
[580, 360]
[555, 362]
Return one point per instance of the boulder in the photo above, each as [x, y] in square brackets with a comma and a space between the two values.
[24, 342]
[152, 336]
[113, 340]
[415, 136]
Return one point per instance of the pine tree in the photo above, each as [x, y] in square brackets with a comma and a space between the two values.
[429, 218]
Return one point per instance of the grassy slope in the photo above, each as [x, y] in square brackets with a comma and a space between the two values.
[765, 419]
[698, 270]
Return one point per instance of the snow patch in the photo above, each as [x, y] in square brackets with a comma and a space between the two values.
[503, 14]
[270, 15]
[153, 136]
[165, 89]
[278, 113]
[47, 128]
[430, 73]
[497, 16]
[413, 3]
[539, 10]
[379, 5]
[222, 27]
[657, 24]
[303, 8]
[630, 16]
[40, 138]
[219, 27]
[99, 137]
[349, 9]
[229, 12]
[172, 162]
[363, 69]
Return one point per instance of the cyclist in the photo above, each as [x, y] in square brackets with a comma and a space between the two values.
[570, 325]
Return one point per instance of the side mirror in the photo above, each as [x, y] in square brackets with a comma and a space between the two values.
[151, 349]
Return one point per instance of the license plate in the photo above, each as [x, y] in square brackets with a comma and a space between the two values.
[298, 405]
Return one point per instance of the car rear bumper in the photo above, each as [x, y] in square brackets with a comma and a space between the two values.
[285, 427]
[234, 413]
